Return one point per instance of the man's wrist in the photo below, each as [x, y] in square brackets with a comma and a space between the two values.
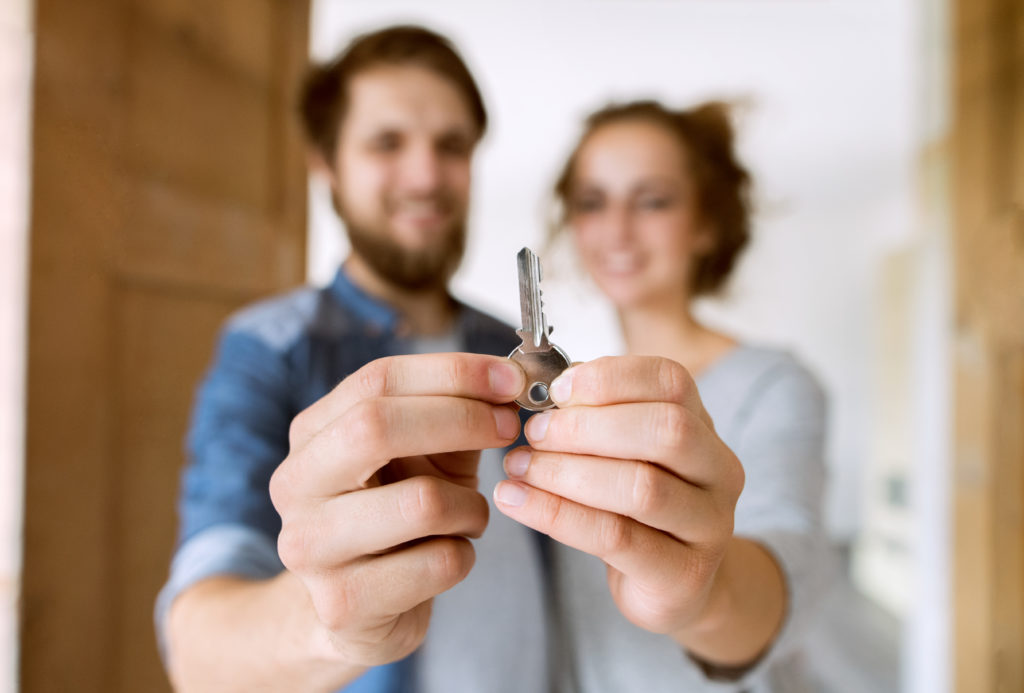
[314, 648]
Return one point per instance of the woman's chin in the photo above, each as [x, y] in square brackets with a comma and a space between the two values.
[632, 295]
[623, 295]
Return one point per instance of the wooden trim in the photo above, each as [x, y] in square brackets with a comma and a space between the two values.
[988, 483]
[142, 240]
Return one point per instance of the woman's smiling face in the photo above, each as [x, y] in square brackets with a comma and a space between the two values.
[632, 208]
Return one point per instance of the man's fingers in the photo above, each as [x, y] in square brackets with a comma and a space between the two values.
[378, 588]
[473, 376]
[459, 467]
[379, 519]
[346, 452]
[623, 379]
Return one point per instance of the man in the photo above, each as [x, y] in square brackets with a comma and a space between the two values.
[393, 123]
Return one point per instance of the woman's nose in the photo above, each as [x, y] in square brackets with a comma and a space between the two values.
[617, 224]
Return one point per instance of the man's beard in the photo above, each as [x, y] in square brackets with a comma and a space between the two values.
[414, 270]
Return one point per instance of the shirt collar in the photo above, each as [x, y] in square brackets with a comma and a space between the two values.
[369, 309]
[377, 314]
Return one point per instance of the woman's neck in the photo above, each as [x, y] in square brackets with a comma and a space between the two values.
[670, 330]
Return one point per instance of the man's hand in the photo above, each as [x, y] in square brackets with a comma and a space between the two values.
[378, 494]
[630, 469]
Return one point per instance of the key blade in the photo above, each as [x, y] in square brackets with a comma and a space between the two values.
[534, 332]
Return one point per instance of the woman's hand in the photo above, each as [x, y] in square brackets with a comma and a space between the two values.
[630, 469]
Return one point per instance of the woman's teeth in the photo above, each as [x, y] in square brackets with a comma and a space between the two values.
[621, 262]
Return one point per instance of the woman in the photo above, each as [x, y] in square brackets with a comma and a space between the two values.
[664, 572]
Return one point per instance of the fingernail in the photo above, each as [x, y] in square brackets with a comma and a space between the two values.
[537, 426]
[561, 389]
[510, 494]
[506, 379]
[507, 422]
[517, 462]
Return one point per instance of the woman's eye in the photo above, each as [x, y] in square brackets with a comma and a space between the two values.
[654, 203]
[586, 204]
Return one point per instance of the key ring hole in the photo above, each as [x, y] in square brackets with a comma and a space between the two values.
[538, 393]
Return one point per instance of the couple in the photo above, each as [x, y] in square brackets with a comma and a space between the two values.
[335, 479]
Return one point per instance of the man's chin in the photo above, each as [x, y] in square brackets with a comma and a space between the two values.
[427, 229]
[417, 265]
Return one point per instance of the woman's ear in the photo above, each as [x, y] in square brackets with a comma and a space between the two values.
[705, 240]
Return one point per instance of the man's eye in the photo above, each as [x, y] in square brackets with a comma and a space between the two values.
[387, 142]
[455, 146]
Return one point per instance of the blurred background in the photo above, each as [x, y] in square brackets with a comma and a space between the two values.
[152, 180]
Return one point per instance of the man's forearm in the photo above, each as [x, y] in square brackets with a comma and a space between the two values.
[229, 634]
[744, 611]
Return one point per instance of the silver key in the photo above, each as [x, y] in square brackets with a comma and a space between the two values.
[542, 360]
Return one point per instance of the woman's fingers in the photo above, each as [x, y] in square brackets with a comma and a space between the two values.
[629, 469]
[668, 434]
[640, 490]
[626, 545]
[623, 379]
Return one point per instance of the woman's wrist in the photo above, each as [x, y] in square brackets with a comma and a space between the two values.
[743, 611]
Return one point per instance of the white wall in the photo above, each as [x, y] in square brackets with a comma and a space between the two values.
[928, 664]
[15, 80]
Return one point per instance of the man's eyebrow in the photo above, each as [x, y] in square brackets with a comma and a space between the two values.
[659, 183]
[458, 131]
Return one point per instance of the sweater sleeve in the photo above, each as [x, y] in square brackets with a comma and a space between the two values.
[780, 440]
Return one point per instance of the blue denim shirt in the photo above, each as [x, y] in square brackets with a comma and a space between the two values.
[273, 360]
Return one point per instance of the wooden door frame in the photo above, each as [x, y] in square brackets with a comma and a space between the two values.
[96, 238]
[988, 474]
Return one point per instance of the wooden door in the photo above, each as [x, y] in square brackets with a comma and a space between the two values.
[988, 484]
[167, 189]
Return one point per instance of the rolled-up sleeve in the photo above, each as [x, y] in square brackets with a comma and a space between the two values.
[237, 437]
[234, 550]
[780, 439]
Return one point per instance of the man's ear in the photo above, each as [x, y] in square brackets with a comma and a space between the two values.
[318, 165]
[321, 168]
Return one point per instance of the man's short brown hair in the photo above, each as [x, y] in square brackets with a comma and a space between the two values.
[324, 97]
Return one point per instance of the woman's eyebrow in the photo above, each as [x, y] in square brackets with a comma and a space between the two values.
[660, 183]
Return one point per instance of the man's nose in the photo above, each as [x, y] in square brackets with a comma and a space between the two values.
[421, 168]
